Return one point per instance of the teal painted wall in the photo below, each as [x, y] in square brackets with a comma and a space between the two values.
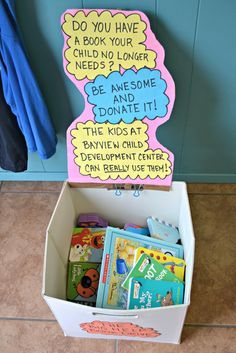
[199, 39]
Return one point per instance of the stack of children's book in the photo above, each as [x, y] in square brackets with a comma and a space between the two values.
[85, 258]
[141, 267]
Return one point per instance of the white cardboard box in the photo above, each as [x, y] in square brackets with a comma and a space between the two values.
[157, 324]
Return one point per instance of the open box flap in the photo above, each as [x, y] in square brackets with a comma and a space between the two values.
[116, 62]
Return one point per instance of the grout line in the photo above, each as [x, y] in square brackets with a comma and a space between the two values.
[32, 319]
[211, 325]
[57, 192]
[116, 346]
[212, 193]
[29, 192]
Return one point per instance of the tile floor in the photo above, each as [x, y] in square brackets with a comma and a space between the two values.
[27, 325]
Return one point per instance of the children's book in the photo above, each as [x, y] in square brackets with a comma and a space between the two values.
[83, 279]
[87, 244]
[146, 294]
[163, 230]
[138, 230]
[173, 264]
[130, 227]
[118, 260]
[149, 268]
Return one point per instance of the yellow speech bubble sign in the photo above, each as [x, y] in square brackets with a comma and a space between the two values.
[100, 43]
[117, 151]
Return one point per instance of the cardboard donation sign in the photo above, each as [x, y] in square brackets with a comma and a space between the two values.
[117, 64]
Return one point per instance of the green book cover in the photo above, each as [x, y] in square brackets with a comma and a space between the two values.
[149, 268]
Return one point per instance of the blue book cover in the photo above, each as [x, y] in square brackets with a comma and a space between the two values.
[146, 294]
[118, 260]
[163, 230]
[141, 230]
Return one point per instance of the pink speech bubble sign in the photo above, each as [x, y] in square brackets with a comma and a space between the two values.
[151, 43]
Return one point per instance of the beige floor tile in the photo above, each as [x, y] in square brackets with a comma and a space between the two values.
[40, 337]
[214, 285]
[50, 186]
[23, 222]
[211, 188]
[200, 339]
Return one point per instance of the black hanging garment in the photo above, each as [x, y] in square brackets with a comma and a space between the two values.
[13, 150]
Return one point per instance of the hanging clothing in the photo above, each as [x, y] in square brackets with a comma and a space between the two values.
[13, 149]
[20, 87]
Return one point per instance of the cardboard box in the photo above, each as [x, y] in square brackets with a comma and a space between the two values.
[158, 324]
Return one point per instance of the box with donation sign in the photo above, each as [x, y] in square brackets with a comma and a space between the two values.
[118, 170]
